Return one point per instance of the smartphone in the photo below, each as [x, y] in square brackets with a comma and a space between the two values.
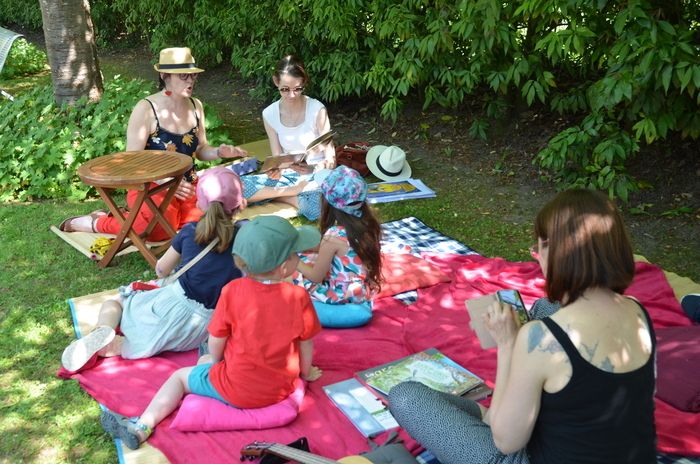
[512, 297]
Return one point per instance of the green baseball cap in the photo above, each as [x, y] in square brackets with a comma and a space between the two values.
[267, 241]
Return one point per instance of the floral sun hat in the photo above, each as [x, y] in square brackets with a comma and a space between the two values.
[345, 189]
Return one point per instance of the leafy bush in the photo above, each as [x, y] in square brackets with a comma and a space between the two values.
[43, 144]
[628, 71]
[24, 58]
[25, 13]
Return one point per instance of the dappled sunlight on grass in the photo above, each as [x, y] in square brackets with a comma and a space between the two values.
[22, 84]
[46, 419]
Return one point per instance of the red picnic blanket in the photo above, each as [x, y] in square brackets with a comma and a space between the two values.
[438, 319]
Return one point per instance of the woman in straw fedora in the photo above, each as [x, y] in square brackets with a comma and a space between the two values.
[171, 120]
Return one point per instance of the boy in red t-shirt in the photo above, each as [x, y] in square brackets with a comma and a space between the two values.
[260, 334]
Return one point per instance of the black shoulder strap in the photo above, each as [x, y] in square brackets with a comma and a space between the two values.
[652, 333]
[563, 339]
[195, 112]
[154, 113]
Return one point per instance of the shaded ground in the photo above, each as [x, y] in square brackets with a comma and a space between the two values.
[497, 175]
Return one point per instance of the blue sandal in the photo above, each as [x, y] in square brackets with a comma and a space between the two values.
[128, 429]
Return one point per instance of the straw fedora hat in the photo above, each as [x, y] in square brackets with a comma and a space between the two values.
[388, 163]
[176, 60]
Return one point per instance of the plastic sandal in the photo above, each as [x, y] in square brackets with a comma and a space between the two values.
[127, 429]
[78, 354]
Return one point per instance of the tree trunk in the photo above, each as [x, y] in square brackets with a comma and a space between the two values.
[71, 49]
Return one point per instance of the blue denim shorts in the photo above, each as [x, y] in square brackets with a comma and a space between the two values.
[199, 383]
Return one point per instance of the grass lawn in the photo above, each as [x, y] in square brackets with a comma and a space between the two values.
[45, 419]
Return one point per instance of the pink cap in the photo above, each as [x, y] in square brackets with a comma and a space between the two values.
[220, 184]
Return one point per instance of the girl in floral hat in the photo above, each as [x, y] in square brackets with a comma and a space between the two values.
[347, 269]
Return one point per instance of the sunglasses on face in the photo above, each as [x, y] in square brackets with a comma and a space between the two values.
[187, 76]
[288, 90]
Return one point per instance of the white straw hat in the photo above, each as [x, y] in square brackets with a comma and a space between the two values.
[388, 163]
[177, 60]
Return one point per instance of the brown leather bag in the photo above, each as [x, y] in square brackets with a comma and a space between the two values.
[353, 155]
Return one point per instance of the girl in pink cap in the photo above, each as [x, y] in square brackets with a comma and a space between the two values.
[173, 317]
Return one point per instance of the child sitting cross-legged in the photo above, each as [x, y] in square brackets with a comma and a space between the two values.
[260, 334]
[347, 268]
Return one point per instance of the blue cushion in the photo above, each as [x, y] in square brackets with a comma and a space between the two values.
[341, 316]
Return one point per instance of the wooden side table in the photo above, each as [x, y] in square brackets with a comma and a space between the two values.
[136, 170]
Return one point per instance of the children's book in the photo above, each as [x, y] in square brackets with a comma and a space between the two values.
[384, 192]
[362, 407]
[429, 367]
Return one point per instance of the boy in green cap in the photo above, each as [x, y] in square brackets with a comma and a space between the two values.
[260, 333]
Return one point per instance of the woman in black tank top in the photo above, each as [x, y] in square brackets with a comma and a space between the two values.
[171, 120]
[576, 387]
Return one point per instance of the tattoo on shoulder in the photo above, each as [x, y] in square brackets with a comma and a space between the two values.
[589, 351]
[607, 365]
[536, 337]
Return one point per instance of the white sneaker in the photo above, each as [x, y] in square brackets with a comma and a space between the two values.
[82, 350]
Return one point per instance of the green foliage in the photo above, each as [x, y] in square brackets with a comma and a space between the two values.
[25, 13]
[24, 58]
[627, 70]
[43, 144]
[591, 155]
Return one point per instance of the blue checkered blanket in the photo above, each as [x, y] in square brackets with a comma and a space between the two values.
[411, 235]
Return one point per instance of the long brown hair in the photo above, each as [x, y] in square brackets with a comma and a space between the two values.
[364, 234]
[215, 223]
[588, 245]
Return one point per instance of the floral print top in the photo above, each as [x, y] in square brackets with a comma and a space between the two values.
[346, 281]
[162, 139]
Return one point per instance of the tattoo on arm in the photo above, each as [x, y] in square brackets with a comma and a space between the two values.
[535, 338]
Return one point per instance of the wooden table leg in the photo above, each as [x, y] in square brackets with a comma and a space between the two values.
[126, 224]
[158, 211]
[127, 231]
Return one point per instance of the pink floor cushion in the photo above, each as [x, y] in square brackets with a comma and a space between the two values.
[678, 362]
[404, 272]
[204, 414]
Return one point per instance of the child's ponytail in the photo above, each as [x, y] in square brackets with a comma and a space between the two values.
[215, 223]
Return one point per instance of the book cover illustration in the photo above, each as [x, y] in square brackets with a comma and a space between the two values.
[429, 367]
[369, 415]
[384, 192]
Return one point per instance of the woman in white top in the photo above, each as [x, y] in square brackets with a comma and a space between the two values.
[291, 123]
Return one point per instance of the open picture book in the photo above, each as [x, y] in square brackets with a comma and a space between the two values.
[286, 160]
[429, 367]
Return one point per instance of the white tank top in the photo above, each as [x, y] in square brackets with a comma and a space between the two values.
[295, 139]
